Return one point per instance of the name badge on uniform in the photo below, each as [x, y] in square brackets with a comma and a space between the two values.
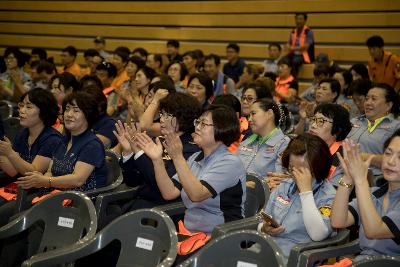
[283, 200]
[246, 148]
[385, 127]
[356, 126]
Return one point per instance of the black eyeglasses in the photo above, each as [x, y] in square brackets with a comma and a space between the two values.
[319, 121]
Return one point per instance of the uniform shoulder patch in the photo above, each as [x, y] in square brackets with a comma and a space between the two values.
[325, 210]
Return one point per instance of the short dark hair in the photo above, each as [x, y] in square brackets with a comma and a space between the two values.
[148, 72]
[174, 43]
[301, 14]
[261, 91]
[230, 101]
[86, 103]
[137, 61]
[71, 50]
[390, 139]
[97, 94]
[165, 82]
[184, 107]
[226, 124]
[122, 52]
[277, 45]
[67, 79]
[40, 52]
[322, 70]
[191, 54]
[390, 96]
[46, 66]
[90, 80]
[182, 73]
[341, 125]
[375, 41]
[360, 87]
[281, 113]
[234, 46]
[205, 81]
[91, 53]
[215, 58]
[361, 70]
[335, 86]
[316, 150]
[17, 54]
[46, 102]
[158, 58]
[109, 67]
[285, 61]
[143, 52]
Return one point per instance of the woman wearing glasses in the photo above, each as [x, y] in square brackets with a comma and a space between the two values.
[177, 112]
[211, 182]
[251, 93]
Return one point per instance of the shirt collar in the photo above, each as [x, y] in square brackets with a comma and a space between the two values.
[219, 150]
[265, 139]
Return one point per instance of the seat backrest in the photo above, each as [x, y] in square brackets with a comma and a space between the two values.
[382, 261]
[6, 109]
[148, 238]
[11, 127]
[257, 195]
[239, 248]
[63, 224]
[113, 168]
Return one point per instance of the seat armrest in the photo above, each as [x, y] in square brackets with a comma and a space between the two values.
[250, 223]
[173, 209]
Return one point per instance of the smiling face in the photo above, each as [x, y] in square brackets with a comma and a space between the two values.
[168, 123]
[131, 69]
[28, 113]
[259, 119]
[324, 94]
[248, 98]
[74, 119]
[204, 131]
[321, 126]
[375, 104]
[391, 162]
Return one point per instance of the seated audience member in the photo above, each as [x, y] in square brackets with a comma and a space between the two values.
[345, 79]
[251, 93]
[323, 60]
[100, 46]
[190, 59]
[359, 90]
[235, 65]
[107, 73]
[375, 211]
[380, 121]
[200, 59]
[105, 125]
[140, 52]
[286, 85]
[274, 54]
[178, 72]
[301, 43]
[33, 147]
[63, 84]
[43, 74]
[359, 71]
[173, 51]
[331, 122]
[260, 152]
[134, 64]
[155, 61]
[320, 73]
[301, 204]
[345, 98]
[211, 182]
[251, 73]
[68, 58]
[222, 83]
[92, 59]
[119, 60]
[383, 67]
[90, 80]
[38, 54]
[177, 113]
[201, 87]
[14, 82]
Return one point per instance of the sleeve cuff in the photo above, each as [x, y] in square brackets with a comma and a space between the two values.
[177, 184]
[138, 154]
[355, 215]
[210, 188]
[127, 157]
[393, 228]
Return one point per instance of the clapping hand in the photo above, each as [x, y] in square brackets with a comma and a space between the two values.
[173, 145]
[153, 150]
[5, 147]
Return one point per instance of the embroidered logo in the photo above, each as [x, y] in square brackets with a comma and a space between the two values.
[283, 201]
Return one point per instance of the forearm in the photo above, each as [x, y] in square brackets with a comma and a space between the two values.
[340, 208]
[300, 126]
[315, 225]
[164, 182]
[21, 165]
[193, 188]
[7, 166]
[147, 118]
[67, 181]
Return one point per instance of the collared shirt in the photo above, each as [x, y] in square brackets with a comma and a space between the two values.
[391, 217]
[74, 69]
[86, 148]
[371, 127]
[234, 71]
[372, 142]
[385, 71]
[284, 206]
[223, 174]
[44, 145]
[262, 157]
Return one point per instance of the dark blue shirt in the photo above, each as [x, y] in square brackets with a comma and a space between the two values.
[234, 71]
[105, 127]
[44, 145]
[86, 148]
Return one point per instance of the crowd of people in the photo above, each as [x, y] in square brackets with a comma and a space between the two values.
[188, 128]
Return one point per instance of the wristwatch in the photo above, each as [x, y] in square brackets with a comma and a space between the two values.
[342, 183]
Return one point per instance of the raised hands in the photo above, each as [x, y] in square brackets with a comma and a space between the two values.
[153, 150]
[126, 136]
[173, 145]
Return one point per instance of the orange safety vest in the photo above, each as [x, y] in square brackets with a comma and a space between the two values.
[108, 91]
[302, 41]
[333, 149]
[189, 242]
[282, 86]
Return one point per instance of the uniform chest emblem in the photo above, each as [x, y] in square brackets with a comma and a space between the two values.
[283, 200]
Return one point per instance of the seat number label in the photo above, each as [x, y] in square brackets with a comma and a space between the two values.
[245, 264]
[65, 222]
[144, 243]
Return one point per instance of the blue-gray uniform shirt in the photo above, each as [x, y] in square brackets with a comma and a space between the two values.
[284, 206]
[262, 158]
[373, 142]
[223, 174]
[391, 217]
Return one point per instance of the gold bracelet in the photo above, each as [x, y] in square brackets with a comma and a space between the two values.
[342, 183]
[50, 181]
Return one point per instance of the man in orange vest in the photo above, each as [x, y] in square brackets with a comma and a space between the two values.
[301, 42]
